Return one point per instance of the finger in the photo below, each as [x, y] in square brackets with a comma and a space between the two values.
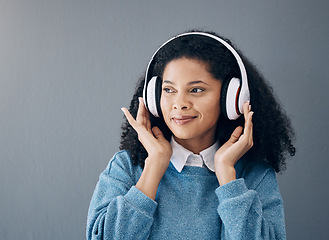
[147, 115]
[144, 136]
[246, 109]
[130, 118]
[236, 134]
[148, 125]
[143, 116]
[248, 131]
[247, 116]
[248, 124]
[157, 133]
[251, 129]
[140, 117]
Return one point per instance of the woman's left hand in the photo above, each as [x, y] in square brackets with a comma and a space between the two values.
[239, 143]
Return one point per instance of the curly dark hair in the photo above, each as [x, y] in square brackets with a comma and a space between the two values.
[272, 131]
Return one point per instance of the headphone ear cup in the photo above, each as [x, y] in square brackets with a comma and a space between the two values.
[230, 97]
[153, 95]
[223, 98]
[158, 91]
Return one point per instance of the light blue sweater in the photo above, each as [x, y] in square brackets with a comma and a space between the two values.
[188, 205]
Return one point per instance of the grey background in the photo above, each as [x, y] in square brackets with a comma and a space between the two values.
[66, 68]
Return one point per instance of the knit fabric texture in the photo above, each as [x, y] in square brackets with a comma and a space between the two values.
[188, 205]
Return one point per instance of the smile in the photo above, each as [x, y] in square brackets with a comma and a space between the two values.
[181, 120]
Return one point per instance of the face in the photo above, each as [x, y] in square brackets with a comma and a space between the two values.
[190, 100]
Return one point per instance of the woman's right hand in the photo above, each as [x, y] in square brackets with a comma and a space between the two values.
[152, 139]
[158, 148]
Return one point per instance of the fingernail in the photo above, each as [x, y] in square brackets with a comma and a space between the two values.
[249, 107]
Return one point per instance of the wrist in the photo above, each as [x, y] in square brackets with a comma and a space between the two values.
[152, 174]
[156, 166]
[225, 173]
[148, 184]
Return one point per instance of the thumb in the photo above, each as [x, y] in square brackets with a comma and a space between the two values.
[236, 134]
[157, 133]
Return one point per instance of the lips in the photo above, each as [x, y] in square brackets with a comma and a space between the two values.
[181, 120]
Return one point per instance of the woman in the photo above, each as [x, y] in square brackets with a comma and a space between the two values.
[196, 168]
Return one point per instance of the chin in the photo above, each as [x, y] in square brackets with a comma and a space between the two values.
[183, 136]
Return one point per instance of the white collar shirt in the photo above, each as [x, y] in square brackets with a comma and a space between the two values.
[182, 157]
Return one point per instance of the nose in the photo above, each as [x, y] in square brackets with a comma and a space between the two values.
[182, 102]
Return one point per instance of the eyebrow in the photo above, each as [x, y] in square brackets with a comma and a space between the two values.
[190, 83]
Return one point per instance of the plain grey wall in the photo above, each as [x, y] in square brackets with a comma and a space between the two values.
[67, 66]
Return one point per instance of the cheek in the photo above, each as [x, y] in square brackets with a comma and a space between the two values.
[212, 110]
[165, 105]
[165, 109]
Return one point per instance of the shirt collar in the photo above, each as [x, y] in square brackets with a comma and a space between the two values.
[180, 155]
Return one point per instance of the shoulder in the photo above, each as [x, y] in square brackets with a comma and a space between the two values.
[121, 158]
[121, 165]
[255, 171]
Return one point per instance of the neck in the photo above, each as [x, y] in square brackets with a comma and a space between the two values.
[196, 145]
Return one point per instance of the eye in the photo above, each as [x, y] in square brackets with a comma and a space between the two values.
[197, 90]
[167, 90]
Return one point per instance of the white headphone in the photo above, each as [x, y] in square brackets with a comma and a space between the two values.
[236, 91]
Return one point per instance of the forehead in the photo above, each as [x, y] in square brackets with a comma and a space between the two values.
[185, 69]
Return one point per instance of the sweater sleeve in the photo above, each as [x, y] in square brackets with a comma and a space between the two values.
[118, 210]
[254, 211]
